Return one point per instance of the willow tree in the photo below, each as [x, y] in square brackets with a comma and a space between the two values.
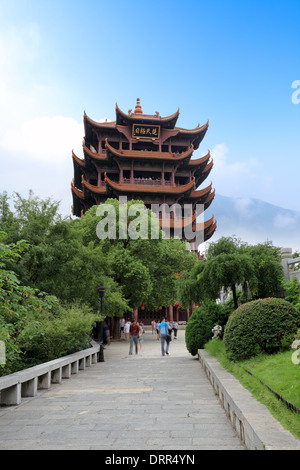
[226, 265]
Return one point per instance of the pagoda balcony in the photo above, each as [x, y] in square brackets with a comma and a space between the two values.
[147, 181]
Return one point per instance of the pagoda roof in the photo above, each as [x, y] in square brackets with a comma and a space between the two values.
[200, 161]
[102, 157]
[203, 197]
[209, 166]
[197, 193]
[105, 124]
[178, 222]
[146, 154]
[78, 160]
[149, 188]
[210, 197]
[209, 233]
[207, 228]
[209, 225]
[76, 191]
[197, 130]
[204, 225]
[138, 116]
[91, 187]
[127, 119]
[202, 173]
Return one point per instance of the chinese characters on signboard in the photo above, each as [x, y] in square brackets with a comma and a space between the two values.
[145, 131]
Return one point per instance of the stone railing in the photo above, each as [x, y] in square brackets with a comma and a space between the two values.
[252, 421]
[148, 181]
[26, 383]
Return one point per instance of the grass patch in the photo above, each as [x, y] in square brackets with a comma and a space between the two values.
[277, 371]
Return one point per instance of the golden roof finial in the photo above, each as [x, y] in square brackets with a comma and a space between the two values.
[138, 107]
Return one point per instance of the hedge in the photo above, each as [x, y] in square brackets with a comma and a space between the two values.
[203, 319]
[264, 325]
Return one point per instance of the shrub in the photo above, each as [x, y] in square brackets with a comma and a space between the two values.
[263, 325]
[57, 335]
[198, 329]
[292, 290]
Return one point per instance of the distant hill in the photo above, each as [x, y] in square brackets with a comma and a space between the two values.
[255, 221]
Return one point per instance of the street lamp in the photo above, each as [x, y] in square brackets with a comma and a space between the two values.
[101, 290]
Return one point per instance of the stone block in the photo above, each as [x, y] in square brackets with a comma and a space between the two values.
[29, 388]
[11, 395]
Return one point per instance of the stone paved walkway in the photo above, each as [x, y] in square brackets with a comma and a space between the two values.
[139, 402]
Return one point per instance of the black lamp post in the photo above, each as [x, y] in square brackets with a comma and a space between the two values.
[101, 290]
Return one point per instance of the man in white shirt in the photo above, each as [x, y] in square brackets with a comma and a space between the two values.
[122, 323]
[126, 330]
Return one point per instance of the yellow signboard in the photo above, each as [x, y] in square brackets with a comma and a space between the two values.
[144, 131]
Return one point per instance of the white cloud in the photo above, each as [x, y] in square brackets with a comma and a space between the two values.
[46, 139]
[285, 221]
[244, 207]
[35, 145]
[37, 155]
[222, 165]
[238, 178]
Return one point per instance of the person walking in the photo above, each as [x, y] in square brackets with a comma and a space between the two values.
[142, 331]
[175, 328]
[164, 333]
[122, 324]
[126, 330]
[134, 331]
[157, 331]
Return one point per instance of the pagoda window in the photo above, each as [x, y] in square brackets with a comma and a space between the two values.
[178, 148]
[168, 177]
[113, 177]
[126, 174]
[115, 145]
[144, 146]
[165, 148]
[182, 180]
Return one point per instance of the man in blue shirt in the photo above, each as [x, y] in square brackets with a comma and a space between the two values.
[164, 331]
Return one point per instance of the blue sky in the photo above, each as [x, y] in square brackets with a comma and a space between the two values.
[232, 62]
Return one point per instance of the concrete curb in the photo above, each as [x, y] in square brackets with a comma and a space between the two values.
[253, 422]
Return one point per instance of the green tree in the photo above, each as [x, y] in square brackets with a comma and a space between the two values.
[188, 289]
[292, 290]
[69, 258]
[31, 219]
[226, 266]
[268, 270]
[57, 259]
[229, 263]
[144, 267]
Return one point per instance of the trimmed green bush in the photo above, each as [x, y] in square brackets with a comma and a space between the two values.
[198, 329]
[54, 336]
[263, 325]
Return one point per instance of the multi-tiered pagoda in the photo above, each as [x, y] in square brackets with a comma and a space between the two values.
[146, 157]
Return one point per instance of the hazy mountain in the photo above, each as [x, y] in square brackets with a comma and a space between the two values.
[255, 221]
